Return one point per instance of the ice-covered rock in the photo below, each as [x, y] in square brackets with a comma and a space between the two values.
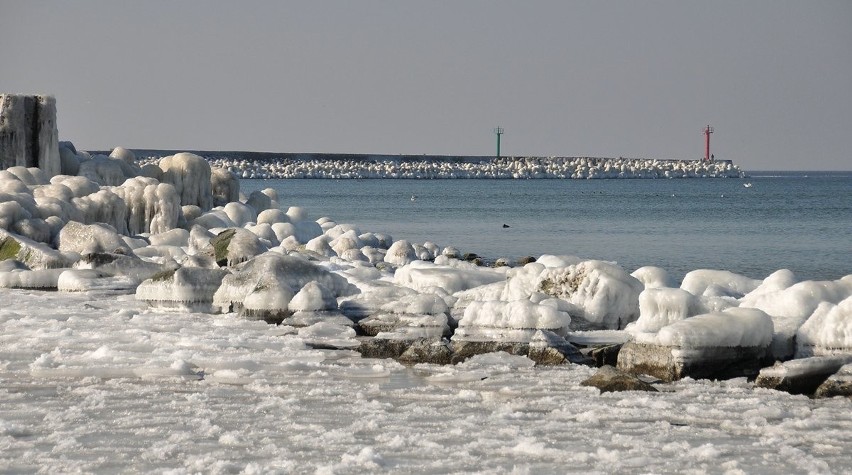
[224, 185]
[240, 214]
[259, 201]
[268, 302]
[90, 238]
[41, 279]
[828, 331]
[235, 245]
[313, 297]
[609, 379]
[801, 376]
[653, 277]
[838, 384]
[422, 276]
[606, 293]
[660, 307]
[107, 171]
[400, 253]
[34, 255]
[187, 288]
[271, 269]
[719, 345]
[721, 283]
[191, 177]
[88, 280]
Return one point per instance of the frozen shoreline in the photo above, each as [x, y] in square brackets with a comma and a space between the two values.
[161, 358]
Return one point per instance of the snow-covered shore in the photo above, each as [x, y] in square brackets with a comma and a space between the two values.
[155, 353]
[271, 166]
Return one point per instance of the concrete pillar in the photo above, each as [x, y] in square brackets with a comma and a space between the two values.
[28, 133]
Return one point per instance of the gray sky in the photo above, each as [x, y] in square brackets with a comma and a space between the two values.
[602, 78]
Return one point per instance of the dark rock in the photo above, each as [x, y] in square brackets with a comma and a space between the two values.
[427, 351]
[800, 376]
[838, 384]
[522, 261]
[382, 348]
[609, 379]
[603, 355]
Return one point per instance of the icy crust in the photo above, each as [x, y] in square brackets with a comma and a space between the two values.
[733, 327]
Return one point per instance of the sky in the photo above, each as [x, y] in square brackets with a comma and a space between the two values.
[563, 78]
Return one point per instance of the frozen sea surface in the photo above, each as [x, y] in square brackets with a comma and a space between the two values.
[98, 383]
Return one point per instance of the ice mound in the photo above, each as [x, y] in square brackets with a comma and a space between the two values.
[660, 307]
[412, 316]
[372, 298]
[422, 276]
[240, 213]
[734, 327]
[125, 266]
[313, 297]
[191, 177]
[107, 171]
[269, 303]
[44, 279]
[329, 335]
[519, 314]
[798, 300]
[303, 229]
[719, 283]
[152, 207]
[103, 206]
[187, 288]
[653, 277]
[828, 331]
[606, 293]
[270, 270]
[87, 280]
[400, 253]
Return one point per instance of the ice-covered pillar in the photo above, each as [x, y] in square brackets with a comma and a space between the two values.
[28, 133]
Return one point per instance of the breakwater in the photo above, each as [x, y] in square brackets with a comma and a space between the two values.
[362, 166]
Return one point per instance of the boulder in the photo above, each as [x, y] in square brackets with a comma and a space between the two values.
[716, 345]
[838, 384]
[801, 376]
[34, 255]
[187, 288]
[609, 379]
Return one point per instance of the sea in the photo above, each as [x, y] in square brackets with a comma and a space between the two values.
[753, 226]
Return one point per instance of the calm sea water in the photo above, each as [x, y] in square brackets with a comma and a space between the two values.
[799, 221]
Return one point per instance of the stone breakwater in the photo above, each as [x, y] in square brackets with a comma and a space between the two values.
[337, 166]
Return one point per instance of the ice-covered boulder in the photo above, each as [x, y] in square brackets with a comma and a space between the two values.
[121, 153]
[190, 175]
[240, 214]
[268, 302]
[400, 253]
[716, 345]
[259, 201]
[801, 376]
[313, 297]
[660, 307]
[303, 228]
[103, 206]
[609, 379]
[225, 186]
[107, 171]
[838, 384]
[235, 245]
[272, 269]
[90, 238]
[128, 267]
[422, 276]
[718, 283]
[34, 255]
[40, 279]
[828, 331]
[187, 288]
[89, 280]
[152, 207]
[607, 295]
[653, 277]
[414, 316]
